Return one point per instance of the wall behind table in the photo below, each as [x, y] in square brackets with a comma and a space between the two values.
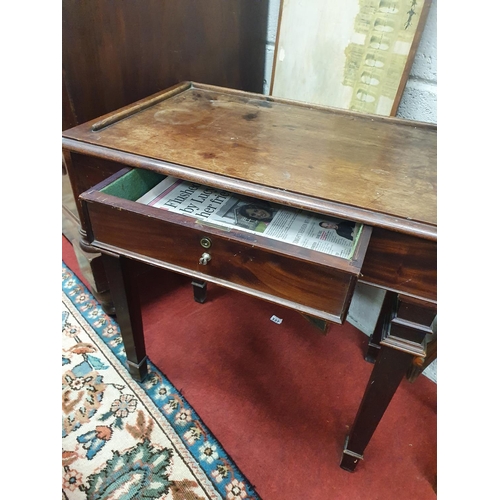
[418, 102]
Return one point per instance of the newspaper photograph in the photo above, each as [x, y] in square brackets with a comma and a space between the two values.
[228, 210]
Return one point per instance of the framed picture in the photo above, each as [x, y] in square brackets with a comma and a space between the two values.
[350, 54]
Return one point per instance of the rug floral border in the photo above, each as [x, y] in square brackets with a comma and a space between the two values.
[192, 439]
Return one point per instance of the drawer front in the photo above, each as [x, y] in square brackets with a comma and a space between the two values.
[401, 263]
[326, 290]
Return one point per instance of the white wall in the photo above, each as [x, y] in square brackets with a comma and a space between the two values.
[419, 102]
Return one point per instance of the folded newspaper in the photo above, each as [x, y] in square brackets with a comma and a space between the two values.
[228, 210]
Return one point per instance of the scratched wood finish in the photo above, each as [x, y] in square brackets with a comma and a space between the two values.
[380, 164]
[298, 275]
[114, 53]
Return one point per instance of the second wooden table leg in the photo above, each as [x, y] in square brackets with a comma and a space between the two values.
[199, 290]
[125, 296]
[390, 368]
[401, 332]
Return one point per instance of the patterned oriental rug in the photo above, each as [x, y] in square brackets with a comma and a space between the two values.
[127, 440]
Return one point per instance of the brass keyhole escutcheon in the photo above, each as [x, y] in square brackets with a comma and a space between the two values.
[206, 242]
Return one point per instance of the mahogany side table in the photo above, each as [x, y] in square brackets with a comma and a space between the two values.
[378, 171]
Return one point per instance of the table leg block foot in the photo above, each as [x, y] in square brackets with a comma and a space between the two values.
[349, 459]
[138, 371]
[199, 291]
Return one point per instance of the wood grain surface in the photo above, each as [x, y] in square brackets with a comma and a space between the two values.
[402, 263]
[380, 164]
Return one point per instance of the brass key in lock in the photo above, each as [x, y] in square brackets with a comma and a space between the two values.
[205, 242]
[205, 259]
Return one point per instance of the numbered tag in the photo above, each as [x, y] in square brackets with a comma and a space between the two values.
[276, 320]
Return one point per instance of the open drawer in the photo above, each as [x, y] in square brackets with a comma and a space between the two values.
[313, 282]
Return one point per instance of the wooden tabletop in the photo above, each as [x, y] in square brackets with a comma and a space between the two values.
[381, 165]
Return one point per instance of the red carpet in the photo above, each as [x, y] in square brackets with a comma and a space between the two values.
[280, 398]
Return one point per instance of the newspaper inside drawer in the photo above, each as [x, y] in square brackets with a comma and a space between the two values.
[300, 259]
